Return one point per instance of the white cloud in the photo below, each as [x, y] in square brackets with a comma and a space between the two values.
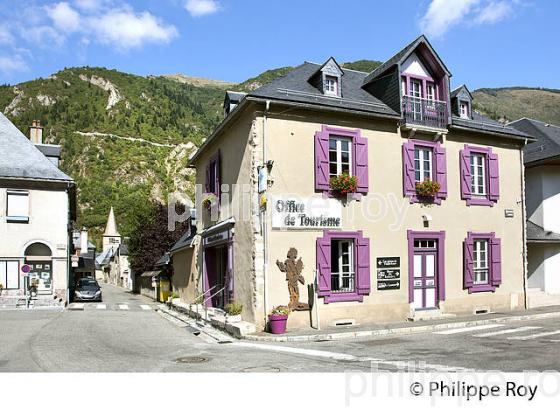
[64, 17]
[13, 64]
[442, 15]
[43, 36]
[6, 35]
[124, 29]
[198, 8]
[493, 12]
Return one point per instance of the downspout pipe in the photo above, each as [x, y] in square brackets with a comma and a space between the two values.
[264, 215]
[524, 222]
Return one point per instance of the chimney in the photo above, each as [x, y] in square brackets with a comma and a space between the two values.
[84, 241]
[36, 132]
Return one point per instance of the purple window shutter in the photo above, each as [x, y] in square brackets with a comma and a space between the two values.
[465, 160]
[363, 266]
[496, 254]
[217, 175]
[322, 161]
[207, 180]
[409, 183]
[469, 272]
[494, 177]
[360, 146]
[323, 266]
[441, 170]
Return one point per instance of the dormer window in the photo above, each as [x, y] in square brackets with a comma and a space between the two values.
[331, 85]
[464, 109]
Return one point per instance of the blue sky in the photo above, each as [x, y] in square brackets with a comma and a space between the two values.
[485, 43]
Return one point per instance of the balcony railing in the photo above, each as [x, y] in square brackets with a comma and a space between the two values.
[428, 113]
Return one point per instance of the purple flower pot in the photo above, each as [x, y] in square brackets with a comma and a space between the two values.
[277, 324]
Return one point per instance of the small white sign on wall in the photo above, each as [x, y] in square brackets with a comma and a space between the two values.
[305, 213]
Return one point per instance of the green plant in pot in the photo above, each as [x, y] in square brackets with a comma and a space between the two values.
[427, 188]
[343, 184]
[278, 319]
[209, 200]
[234, 309]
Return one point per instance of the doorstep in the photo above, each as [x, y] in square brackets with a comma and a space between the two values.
[357, 331]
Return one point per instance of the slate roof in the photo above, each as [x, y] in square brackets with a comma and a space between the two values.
[164, 260]
[482, 123]
[19, 158]
[123, 249]
[547, 144]
[185, 240]
[456, 91]
[295, 86]
[401, 55]
[49, 150]
[104, 258]
[536, 233]
[235, 96]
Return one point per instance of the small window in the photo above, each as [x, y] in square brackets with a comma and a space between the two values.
[9, 274]
[478, 174]
[331, 85]
[340, 156]
[342, 266]
[415, 89]
[430, 92]
[17, 206]
[422, 164]
[464, 109]
[480, 256]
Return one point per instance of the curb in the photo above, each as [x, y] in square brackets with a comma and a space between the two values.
[399, 330]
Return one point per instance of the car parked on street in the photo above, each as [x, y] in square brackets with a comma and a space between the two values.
[87, 289]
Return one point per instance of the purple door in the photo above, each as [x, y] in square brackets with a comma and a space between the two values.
[216, 269]
[425, 275]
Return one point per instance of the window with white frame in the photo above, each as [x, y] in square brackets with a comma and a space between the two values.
[331, 85]
[9, 274]
[464, 109]
[17, 206]
[430, 92]
[342, 266]
[478, 174]
[340, 156]
[422, 164]
[480, 256]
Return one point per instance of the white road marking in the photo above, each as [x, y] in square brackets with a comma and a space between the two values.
[351, 358]
[467, 329]
[77, 306]
[123, 307]
[534, 336]
[504, 332]
[145, 307]
[101, 307]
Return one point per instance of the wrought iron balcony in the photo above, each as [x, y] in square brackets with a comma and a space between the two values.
[423, 112]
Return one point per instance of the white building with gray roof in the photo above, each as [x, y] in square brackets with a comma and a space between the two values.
[37, 208]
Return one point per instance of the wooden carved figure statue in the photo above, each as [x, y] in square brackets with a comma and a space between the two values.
[293, 268]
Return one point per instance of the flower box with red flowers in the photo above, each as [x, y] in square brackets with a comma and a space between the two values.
[427, 188]
[343, 184]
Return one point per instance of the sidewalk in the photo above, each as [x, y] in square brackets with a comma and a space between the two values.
[352, 332]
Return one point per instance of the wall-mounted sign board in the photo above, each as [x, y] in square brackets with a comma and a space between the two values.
[305, 213]
[389, 262]
[389, 285]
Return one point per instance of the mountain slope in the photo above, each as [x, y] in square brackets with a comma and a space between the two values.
[518, 102]
[124, 138]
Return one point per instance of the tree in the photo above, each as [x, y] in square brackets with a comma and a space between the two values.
[152, 238]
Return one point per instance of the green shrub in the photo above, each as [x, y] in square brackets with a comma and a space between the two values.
[234, 308]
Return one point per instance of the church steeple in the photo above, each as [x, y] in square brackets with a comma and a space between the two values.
[111, 227]
[111, 237]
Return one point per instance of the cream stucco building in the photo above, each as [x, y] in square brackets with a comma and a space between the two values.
[37, 207]
[389, 250]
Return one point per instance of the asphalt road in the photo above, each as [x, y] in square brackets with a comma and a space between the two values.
[126, 334]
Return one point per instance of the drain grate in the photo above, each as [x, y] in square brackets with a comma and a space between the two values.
[192, 359]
